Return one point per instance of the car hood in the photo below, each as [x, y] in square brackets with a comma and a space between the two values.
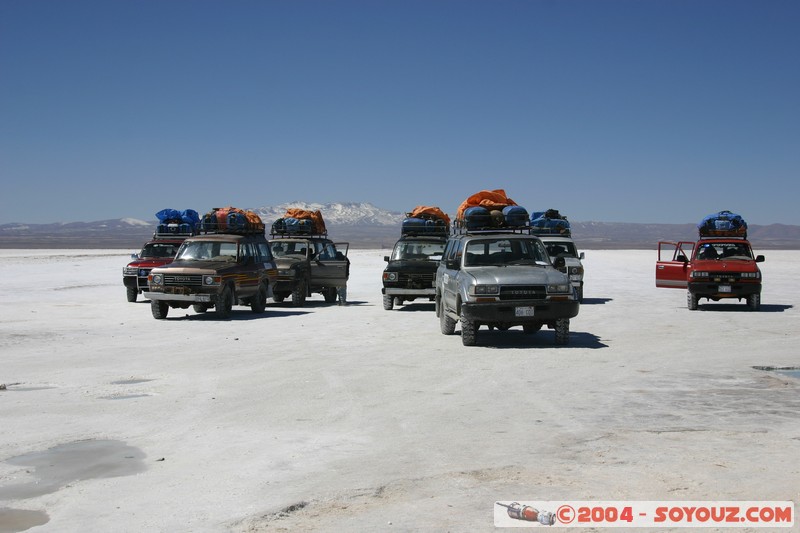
[729, 265]
[149, 263]
[196, 267]
[517, 275]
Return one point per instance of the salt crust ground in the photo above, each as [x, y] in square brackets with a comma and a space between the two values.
[329, 418]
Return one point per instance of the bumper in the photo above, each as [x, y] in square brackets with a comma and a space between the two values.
[409, 292]
[197, 298]
[283, 285]
[508, 312]
[724, 290]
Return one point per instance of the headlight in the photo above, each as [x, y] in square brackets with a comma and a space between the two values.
[211, 280]
[751, 275]
[129, 271]
[288, 272]
[390, 276]
[156, 279]
[559, 287]
[576, 270]
[143, 272]
[699, 274]
[487, 289]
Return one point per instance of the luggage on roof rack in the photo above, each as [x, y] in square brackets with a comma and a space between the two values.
[425, 220]
[300, 222]
[722, 224]
[549, 222]
[491, 211]
[231, 220]
[174, 223]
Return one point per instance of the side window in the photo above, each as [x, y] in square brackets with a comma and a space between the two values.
[264, 253]
[448, 250]
[245, 252]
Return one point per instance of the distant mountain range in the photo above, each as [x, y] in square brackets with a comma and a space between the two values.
[367, 226]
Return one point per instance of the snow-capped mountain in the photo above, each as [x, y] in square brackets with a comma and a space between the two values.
[337, 213]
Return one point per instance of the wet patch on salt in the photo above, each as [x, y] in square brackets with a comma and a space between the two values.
[64, 464]
[15, 520]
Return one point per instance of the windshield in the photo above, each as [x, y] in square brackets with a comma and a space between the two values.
[561, 248]
[158, 250]
[410, 250]
[505, 252]
[207, 251]
[724, 250]
[284, 248]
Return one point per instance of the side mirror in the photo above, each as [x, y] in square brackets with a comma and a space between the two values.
[134, 256]
[452, 264]
[759, 259]
[681, 258]
[386, 258]
[581, 256]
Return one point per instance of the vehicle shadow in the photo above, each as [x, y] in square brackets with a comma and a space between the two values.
[515, 338]
[237, 315]
[596, 301]
[742, 308]
[416, 307]
[312, 304]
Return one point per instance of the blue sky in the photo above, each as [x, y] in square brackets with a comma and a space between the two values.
[614, 111]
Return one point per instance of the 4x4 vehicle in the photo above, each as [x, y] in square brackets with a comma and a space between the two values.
[411, 269]
[308, 264]
[720, 265]
[215, 270]
[502, 279]
[155, 253]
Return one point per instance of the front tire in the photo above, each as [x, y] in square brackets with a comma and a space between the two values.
[469, 331]
[224, 305]
[562, 331]
[754, 302]
[299, 294]
[258, 303]
[388, 302]
[691, 301]
[132, 293]
[200, 308]
[159, 309]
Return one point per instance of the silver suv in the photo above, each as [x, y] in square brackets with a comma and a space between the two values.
[500, 280]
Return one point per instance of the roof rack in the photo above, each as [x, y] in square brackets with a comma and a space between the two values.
[174, 230]
[740, 232]
[460, 229]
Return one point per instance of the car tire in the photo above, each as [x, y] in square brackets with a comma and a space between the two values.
[469, 332]
[159, 309]
[754, 302]
[258, 303]
[224, 305]
[446, 324]
[562, 331]
[329, 293]
[132, 293]
[200, 308]
[388, 302]
[278, 297]
[691, 301]
[299, 294]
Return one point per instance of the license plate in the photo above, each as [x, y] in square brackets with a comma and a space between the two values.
[724, 288]
[575, 277]
[524, 311]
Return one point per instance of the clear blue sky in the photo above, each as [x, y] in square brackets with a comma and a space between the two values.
[613, 111]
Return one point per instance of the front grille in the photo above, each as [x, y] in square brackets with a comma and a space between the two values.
[523, 292]
[416, 280]
[175, 280]
[726, 277]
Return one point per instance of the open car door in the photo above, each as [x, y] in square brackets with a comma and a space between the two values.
[672, 267]
[330, 267]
